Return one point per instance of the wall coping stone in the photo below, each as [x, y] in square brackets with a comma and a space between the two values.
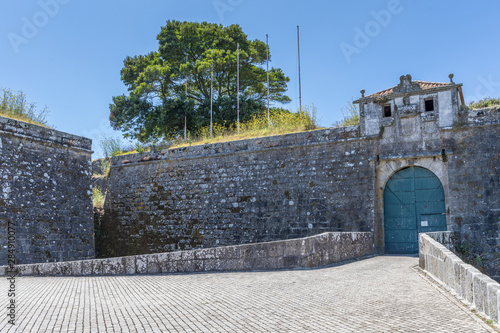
[44, 134]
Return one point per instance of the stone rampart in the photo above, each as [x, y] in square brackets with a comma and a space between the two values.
[309, 252]
[302, 184]
[45, 195]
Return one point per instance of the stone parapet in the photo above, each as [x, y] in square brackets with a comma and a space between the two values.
[465, 281]
[315, 251]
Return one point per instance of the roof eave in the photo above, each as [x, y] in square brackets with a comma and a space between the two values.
[416, 92]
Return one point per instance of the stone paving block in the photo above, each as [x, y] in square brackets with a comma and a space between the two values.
[324, 300]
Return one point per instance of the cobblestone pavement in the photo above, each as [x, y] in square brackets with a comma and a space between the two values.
[380, 294]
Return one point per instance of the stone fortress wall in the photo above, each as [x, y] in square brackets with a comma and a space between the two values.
[45, 195]
[302, 184]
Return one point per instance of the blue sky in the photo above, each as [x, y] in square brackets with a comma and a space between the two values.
[67, 54]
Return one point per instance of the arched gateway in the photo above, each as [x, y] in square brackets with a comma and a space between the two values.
[413, 202]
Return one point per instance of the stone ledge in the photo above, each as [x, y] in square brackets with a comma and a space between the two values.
[315, 251]
[465, 281]
[22, 129]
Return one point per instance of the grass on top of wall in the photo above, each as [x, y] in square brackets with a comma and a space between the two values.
[258, 126]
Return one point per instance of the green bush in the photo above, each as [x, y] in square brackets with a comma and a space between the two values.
[97, 197]
[484, 103]
[350, 115]
[15, 105]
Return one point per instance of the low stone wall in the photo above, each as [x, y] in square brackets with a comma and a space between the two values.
[314, 251]
[446, 238]
[468, 283]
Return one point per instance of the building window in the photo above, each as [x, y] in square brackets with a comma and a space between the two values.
[387, 110]
[429, 104]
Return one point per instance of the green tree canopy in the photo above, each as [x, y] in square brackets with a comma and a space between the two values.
[156, 103]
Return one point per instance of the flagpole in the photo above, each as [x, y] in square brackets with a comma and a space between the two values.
[300, 92]
[267, 57]
[238, 86]
[211, 96]
[185, 116]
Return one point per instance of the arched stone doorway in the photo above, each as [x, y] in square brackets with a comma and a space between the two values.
[414, 202]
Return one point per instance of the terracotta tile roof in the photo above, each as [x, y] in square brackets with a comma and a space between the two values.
[423, 84]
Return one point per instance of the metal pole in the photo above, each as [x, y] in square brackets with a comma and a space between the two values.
[300, 92]
[238, 86]
[185, 116]
[267, 55]
[211, 96]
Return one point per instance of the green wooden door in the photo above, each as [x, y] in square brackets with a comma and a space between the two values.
[413, 203]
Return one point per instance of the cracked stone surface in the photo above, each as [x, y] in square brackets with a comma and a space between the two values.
[379, 294]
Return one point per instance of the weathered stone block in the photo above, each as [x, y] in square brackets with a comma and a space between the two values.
[166, 262]
[492, 301]
[97, 266]
[129, 263]
[188, 255]
[202, 254]
[86, 267]
[188, 266]
[458, 278]
[227, 252]
[25, 270]
[141, 264]
[113, 266]
[246, 251]
[480, 291]
[259, 251]
[298, 247]
[76, 268]
[153, 264]
[63, 268]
